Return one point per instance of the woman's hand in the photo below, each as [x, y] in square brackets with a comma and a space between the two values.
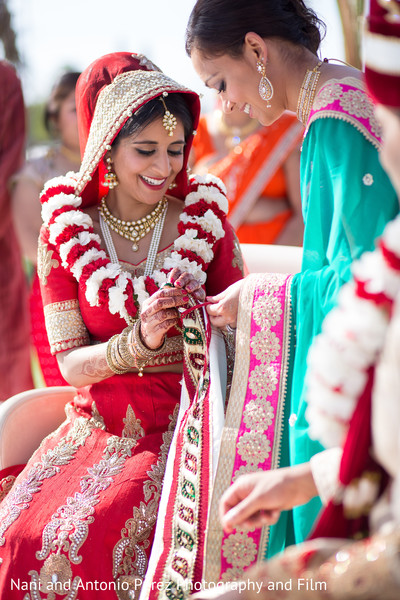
[186, 281]
[159, 313]
[224, 308]
[257, 499]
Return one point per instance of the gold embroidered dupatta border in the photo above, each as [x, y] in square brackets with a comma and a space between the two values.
[229, 444]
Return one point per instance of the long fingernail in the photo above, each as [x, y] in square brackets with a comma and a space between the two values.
[185, 298]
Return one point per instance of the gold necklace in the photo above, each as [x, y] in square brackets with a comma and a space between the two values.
[133, 231]
[307, 93]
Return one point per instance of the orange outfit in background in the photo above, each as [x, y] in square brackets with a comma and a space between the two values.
[252, 169]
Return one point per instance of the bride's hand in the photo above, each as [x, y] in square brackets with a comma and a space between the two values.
[188, 283]
[224, 308]
[159, 313]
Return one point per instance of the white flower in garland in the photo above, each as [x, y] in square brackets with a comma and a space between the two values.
[79, 250]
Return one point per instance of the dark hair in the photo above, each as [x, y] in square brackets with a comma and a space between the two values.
[218, 27]
[61, 90]
[154, 109]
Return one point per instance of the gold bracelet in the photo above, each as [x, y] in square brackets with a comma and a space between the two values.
[123, 347]
[111, 359]
[140, 348]
[142, 354]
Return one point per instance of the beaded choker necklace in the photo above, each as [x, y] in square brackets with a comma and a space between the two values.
[133, 230]
[307, 93]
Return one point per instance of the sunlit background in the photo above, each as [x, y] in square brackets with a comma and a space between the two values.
[54, 35]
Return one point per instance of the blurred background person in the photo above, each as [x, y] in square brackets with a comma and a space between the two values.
[15, 372]
[260, 167]
[59, 158]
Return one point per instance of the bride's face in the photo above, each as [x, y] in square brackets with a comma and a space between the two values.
[147, 162]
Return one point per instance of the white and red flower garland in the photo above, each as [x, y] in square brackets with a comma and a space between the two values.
[105, 283]
[352, 339]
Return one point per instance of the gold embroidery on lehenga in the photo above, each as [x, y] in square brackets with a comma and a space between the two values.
[237, 255]
[49, 465]
[5, 486]
[133, 428]
[65, 326]
[69, 526]
[45, 262]
[56, 574]
[129, 556]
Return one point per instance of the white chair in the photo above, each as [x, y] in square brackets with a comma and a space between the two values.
[27, 418]
[270, 258]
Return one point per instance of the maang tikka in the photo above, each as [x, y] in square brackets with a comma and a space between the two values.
[265, 88]
[169, 120]
[110, 178]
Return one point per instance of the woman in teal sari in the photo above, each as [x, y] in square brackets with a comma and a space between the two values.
[347, 200]
[261, 55]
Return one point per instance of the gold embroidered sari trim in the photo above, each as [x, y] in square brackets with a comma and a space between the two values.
[65, 326]
[257, 415]
[279, 425]
[229, 435]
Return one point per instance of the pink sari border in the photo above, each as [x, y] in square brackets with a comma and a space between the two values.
[346, 99]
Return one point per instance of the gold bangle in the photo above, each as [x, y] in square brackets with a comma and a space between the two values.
[137, 346]
[142, 354]
[112, 363]
[123, 347]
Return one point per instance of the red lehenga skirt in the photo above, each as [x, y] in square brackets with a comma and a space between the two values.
[79, 519]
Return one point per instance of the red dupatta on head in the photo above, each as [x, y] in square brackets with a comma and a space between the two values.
[108, 92]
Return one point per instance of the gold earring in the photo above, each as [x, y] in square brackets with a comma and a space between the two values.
[265, 88]
[110, 178]
[169, 120]
[172, 185]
